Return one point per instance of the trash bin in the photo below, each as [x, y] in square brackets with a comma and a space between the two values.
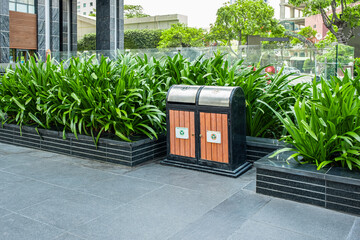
[206, 129]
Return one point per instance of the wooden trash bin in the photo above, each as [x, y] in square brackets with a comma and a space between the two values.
[206, 129]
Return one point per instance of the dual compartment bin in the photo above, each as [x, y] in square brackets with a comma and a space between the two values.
[207, 129]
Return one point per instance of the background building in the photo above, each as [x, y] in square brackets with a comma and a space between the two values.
[87, 24]
[28, 27]
[86, 7]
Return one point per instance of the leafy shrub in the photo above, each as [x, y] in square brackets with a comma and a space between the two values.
[88, 42]
[141, 38]
[88, 97]
[325, 128]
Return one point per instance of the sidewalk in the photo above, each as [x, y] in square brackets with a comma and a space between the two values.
[50, 196]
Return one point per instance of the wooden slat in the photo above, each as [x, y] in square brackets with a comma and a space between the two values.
[23, 30]
[187, 141]
[220, 157]
[214, 146]
[182, 124]
[192, 134]
[203, 134]
[172, 131]
[177, 141]
[207, 127]
[224, 139]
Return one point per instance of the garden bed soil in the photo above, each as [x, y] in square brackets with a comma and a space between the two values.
[126, 153]
[333, 187]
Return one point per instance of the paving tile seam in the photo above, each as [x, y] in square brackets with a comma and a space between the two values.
[44, 223]
[290, 230]
[69, 189]
[351, 229]
[67, 232]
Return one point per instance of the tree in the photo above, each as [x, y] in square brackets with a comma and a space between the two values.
[180, 35]
[307, 32]
[88, 42]
[244, 17]
[341, 20]
[134, 11]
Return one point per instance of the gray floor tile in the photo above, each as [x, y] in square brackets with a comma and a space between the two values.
[8, 148]
[4, 212]
[69, 209]
[179, 203]
[213, 225]
[68, 236]
[251, 186]
[15, 227]
[22, 195]
[255, 230]
[61, 174]
[12, 160]
[8, 179]
[121, 188]
[131, 222]
[245, 204]
[98, 165]
[355, 231]
[306, 219]
[195, 180]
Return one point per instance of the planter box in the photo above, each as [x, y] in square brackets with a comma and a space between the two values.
[108, 150]
[256, 147]
[333, 188]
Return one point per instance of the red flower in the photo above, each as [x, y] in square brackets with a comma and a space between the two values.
[270, 69]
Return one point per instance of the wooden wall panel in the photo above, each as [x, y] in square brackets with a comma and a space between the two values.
[23, 30]
[217, 152]
[182, 147]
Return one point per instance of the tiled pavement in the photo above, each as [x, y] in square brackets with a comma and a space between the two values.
[49, 196]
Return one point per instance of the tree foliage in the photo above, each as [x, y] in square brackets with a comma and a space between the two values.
[244, 17]
[339, 16]
[180, 35]
[88, 42]
[141, 38]
[134, 11]
[307, 32]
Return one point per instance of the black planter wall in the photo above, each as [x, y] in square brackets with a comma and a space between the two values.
[257, 148]
[333, 188]
[108, 150]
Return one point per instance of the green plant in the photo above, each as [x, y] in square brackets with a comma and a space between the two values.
[88, 42]
[141, 38]
[90, 96]
[325, 128]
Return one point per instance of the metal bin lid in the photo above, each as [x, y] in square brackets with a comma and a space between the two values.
[216, 96]
[183, 94]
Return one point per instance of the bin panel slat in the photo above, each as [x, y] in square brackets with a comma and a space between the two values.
[192, 134]
[182, 141]
[217, 152]
[207, 145]
[203, 134]
[178, 146]
[172, 131]
[214, 146]
[219, 129]
[224, 138]
[177, 141]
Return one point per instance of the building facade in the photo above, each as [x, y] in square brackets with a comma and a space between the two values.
[86, 7]
[29, 27]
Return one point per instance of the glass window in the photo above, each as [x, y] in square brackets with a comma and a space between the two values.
[26, 6]
[12, 6]
[21, 7]
[78, 7]
[84, 5]
[91, 4]
[84, 13]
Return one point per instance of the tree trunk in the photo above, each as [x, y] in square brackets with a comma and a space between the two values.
[240, 36]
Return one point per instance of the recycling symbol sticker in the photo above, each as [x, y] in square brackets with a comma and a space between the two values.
[213, 136]
[182, 133]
